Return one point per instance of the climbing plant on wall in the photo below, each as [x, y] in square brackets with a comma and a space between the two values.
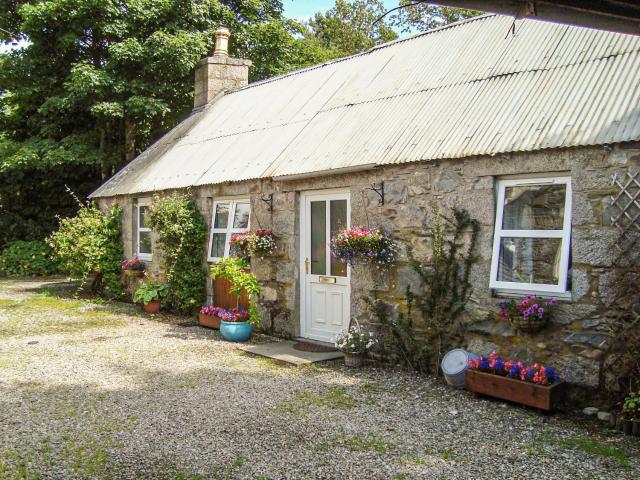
[181, 232]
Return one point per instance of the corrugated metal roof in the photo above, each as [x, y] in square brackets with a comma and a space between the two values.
[463, 90]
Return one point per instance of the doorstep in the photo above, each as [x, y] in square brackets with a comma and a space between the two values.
[284, 352]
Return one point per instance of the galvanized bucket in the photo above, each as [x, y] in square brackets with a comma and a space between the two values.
[454, 364]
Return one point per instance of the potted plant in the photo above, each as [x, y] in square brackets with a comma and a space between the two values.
[630, 417]
[133, 267]
[240, 245]
[529, 315]
[535, 385]
[150, 294]
[354, 344]
[234, 324]
[261, 243]
[242, 283]
[365, 246]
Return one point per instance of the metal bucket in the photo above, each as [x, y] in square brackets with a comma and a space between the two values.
[454, 364]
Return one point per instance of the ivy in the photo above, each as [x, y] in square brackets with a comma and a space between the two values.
[90, 244]
[182, 236]
[235, 270]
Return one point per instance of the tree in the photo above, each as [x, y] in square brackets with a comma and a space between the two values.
[349, 27]
[422, 16]
[99, 80]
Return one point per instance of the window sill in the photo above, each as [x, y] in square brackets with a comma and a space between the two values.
[503, 292]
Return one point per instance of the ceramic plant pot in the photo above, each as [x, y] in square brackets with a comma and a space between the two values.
[152, 307]
[353, 360]
[236, 331]
[209, 321]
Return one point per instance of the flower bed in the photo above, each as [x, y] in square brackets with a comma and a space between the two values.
[365, 246]
[530, 314]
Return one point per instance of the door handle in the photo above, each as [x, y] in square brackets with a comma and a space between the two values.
[306, 265]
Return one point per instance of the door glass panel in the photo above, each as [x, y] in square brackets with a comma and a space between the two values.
[241, 217]
[145, 242]
[338, 220]
[534, 207]
[530, 260]
[222, 215]
[217, 245]
[319, 238]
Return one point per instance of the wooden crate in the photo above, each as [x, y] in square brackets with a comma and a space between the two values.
[544, 397]
[223, 297]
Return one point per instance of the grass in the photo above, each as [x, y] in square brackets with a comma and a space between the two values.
[595, 448]
[368, 442]
[44, 315]
[14, 466]
[335, 398]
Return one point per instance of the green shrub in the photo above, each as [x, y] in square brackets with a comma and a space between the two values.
[21, 259]
[182, 236]
[89, 244]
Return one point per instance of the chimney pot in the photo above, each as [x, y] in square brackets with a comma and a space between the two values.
[222, 42]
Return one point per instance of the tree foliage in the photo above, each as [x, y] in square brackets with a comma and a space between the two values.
[423, 16]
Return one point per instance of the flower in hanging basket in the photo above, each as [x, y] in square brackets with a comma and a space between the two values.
[240, 244]
[536, 373]
[134, 264]
[365, 246]
[529, 314]
[263, 243]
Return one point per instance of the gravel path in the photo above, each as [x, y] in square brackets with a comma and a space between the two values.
[90, 390]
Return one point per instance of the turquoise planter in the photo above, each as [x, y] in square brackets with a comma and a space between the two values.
[236, 331]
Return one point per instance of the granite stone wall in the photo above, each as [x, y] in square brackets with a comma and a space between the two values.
[575, 340]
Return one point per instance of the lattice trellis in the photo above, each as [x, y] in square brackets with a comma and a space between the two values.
[627, 203]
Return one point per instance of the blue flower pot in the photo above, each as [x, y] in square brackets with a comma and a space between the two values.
[236, 331]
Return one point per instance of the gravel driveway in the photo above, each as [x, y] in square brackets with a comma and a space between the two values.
[91, 390]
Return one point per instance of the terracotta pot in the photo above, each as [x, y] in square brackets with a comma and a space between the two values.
[543, 397]
[353, 360]
[209, 321]
[152, 307]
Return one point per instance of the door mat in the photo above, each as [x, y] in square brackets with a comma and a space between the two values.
[313, 347]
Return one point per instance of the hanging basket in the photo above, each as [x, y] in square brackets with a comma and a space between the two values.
[353, 360]
[531, 325]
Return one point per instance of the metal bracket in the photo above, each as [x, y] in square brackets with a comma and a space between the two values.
[379, 189]
[268, 199]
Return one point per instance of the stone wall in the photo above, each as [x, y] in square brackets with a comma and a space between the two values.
[576, 338]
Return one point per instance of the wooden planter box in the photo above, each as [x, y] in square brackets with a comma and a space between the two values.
[223, 297]
[544, 397]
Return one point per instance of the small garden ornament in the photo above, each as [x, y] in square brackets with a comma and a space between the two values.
[150, 294]
[354, 343]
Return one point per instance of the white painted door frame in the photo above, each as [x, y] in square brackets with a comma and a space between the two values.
[336, 285]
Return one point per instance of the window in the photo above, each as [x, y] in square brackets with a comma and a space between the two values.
[229, 217]
[143, 234]
[532, 235]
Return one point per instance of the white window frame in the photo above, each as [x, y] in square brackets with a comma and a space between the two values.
[229, 230]
[145, 202]
[564, 234]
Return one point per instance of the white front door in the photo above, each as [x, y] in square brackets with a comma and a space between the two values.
[325, 288]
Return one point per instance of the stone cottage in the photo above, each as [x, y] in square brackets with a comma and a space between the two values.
[523, 130]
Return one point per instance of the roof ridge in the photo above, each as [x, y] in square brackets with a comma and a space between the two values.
[364, 52]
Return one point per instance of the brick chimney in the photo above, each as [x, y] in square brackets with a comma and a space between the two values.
[220, 72]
